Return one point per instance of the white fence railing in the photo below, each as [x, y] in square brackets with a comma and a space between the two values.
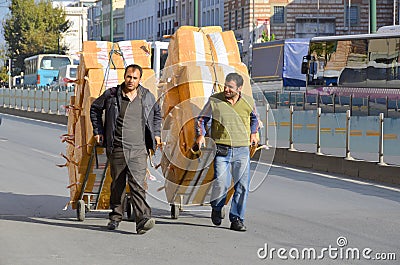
[42, 99]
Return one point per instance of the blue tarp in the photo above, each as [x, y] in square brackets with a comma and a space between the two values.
[294, 50]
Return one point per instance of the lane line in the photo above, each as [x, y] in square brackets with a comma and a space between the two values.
[45, 153]
[30, 119]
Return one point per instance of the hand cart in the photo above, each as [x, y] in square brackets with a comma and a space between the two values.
[89, 201]
[193, 187]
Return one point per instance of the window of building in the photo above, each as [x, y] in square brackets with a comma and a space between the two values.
[212, 18]
[236, 19]
[119, 25]
[279, 14]
[217, 16]
[183, 13]
[242, 17]
[354, 17]
[230, 21]
[190, 10]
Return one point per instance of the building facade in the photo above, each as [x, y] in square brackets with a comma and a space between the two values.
[212, 13]
[166, 17]
[186, 13]
[95, 21]
[113, 14]
[140, 20]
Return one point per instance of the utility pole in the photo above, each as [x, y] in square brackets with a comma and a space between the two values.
[372, 7]
[349, 12]
[318, 18]
[196, 13]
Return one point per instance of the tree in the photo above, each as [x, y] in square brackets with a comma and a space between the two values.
[33, 28]
[3, 58]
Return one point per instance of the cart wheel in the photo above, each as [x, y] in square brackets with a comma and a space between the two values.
[223, 213]
[174, 211]
[80, 210]
[130, 213]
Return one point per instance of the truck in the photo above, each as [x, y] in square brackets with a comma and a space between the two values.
[280, 60]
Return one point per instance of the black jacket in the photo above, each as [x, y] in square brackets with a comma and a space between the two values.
[110, 101]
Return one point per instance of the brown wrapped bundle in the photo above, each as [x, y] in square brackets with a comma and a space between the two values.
[135, 52]
[190, 44]
[198, 62]
[94, 77]
[224, 47]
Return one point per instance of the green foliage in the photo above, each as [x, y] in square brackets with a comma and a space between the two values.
[323, 49]
[33, 28]
[3, 58]
[265, 38]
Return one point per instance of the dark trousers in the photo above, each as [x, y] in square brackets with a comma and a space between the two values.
[128, 165]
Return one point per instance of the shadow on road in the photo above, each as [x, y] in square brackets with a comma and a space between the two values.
[48, 210]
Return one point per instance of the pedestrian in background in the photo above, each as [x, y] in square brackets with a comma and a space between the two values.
[132, 128]
[234, 126]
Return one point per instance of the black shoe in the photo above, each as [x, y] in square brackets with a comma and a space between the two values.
[145, 225]
[216, 217]
[112, 225]
[238, 225]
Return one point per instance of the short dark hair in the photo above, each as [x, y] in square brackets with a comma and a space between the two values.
[134, 66]
[238, 79]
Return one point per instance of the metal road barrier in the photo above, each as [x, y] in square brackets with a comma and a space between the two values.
[368, 138]
[36, 99]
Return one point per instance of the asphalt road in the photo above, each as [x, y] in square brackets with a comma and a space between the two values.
[294, 210]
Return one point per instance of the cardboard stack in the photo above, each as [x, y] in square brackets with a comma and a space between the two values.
[101, 66]
[198, 61]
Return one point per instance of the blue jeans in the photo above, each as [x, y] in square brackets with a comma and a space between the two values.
[235, 165]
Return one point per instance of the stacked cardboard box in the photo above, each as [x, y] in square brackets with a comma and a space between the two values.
[198, 61]
[101, 66]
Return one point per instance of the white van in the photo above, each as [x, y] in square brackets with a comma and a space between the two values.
[66, 74]
[159, 53]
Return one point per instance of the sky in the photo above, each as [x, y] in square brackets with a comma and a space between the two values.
[3, 13]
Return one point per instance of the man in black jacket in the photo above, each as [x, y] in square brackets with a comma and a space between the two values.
[132, 127]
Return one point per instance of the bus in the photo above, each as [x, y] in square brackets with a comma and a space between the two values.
[348, 63]
[42, 69]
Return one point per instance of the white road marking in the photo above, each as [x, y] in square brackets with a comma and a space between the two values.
[29, 119]
[45, 153]
[324, 175]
